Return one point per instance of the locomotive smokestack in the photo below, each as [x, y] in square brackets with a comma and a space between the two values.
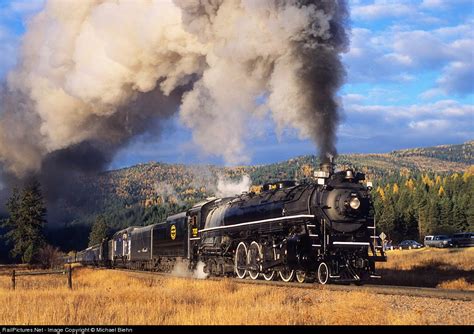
[327, 165]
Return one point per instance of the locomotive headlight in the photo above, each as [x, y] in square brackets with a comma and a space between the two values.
[354, 203]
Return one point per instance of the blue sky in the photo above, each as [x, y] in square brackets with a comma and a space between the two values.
[410, 83]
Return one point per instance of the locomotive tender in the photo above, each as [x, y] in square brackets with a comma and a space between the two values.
[323, 230]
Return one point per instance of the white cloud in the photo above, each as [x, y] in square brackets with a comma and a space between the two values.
[397, 126]
[444, 108]
[431, 94]
[430, 124]
[381, 9]
[457, 78]
[400, 54]
[419, 48]
[433, 4]
[400, 10]
[442, 4]
[456, 32]
[353, 98]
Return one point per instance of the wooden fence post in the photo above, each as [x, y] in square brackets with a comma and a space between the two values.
[69, 277]
[13, 279]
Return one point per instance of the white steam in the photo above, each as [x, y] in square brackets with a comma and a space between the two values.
[83, 63]
[181, 269]
[167, 192]
[226, 188]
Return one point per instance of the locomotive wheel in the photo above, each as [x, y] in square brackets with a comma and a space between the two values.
[302, 276]
[254, 256]
[213, 268]
[268, 253]
[270, 276]
[240, 260]
[323, 273]
[286, 275]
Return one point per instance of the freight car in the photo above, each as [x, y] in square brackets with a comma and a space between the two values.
[321, 230]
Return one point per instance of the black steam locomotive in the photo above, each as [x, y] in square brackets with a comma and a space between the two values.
[323, 230]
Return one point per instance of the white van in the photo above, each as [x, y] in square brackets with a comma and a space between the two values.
[429, 241]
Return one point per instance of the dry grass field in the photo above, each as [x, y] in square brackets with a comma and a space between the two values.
[119, 298]
[451, 268]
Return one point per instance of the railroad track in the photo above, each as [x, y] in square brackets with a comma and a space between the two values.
[378, 289]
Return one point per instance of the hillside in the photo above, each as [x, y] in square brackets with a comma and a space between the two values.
[147, 193]
[155, 183]
[148, 182]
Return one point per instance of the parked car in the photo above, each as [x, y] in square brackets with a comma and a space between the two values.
[465, 239]
[442, 241]
[409, 244]
[429, 241]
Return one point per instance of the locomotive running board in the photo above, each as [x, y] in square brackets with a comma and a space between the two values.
[272, 220]
[349, 243]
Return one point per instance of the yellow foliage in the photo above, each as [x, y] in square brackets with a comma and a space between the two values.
[441, 191]
[307, 170]
[468, 173]
[470, 170]
[256, 189]
[426, 180]
[381, 193]
[410, 184]
[395, 188]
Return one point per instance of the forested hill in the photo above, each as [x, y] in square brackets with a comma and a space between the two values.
[147, 193]
[457, 153]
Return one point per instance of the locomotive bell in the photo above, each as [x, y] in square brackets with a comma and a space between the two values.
[349, 174]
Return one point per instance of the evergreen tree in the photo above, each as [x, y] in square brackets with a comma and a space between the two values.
[412, 206]
[445, 222]
[27, 217]
[459, 218]
[99, 231]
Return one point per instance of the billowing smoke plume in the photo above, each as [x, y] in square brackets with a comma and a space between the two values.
[285, 50]
[93, 74]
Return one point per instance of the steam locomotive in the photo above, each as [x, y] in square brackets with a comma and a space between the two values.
[321, 230]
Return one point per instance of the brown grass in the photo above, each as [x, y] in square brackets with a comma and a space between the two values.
[457, 284]
[119, 298]
[430, 267]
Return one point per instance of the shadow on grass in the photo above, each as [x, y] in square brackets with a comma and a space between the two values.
[425, 275]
